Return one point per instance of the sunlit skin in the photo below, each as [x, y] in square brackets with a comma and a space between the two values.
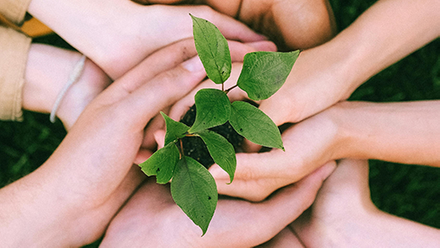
[297, 24]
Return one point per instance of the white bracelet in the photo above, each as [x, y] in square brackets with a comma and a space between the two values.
[76, 73]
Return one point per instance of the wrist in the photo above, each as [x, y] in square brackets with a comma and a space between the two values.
[47, 70]
[350, 130]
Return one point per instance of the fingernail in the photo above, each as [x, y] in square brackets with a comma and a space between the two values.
[193, 65]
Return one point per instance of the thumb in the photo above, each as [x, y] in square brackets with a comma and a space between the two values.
[163, 90]
[289, 203]
[275, 108]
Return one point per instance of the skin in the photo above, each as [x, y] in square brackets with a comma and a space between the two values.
[323, 76]
[64, 202]
[395, 132]
[312, 20]
[119, 34]
[152, 217]
[47, 70]
[343, 215]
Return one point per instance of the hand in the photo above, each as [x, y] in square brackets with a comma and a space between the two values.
[118, 34]
[343, 215]
[47, 71]
[151, 217]
[71, 198]
[308, 145]
[238, 51]
[395, 132]
[329, 73]
[297, 24]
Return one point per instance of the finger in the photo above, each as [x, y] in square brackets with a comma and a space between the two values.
[157, 1]
[255, 176]
[182, 106]
[159, 136]
[290, 202]
[286, 238]
[142, 155]
[155, 124]
[228, 26]
[258, 174]
[158, 62]
[163, 90]
[268, 46]
[250, 147]
[252, 166]
[238, 49]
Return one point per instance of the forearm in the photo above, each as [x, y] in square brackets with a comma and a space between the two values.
[31, 216]
[397, 132]
[48, 70]
[48, 209]
[80, 22]
[384, 34]
[401, 233]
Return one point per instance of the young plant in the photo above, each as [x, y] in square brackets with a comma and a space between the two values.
[192, 186]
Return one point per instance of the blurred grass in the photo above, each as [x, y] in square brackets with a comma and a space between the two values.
[409, 191]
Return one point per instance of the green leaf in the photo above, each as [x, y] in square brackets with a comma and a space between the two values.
[264, 73]
[162, 163]
[221, 151]
[254, 125]
[175, 130]
[213, 50]
[213, 108]
[195, 192]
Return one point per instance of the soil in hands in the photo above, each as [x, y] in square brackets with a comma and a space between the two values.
[195, 148]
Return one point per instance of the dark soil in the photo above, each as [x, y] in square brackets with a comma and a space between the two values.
[195, 148]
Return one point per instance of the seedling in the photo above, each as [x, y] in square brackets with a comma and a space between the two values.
[192, 186]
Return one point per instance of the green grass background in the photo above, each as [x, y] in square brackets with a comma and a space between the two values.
[409, 191]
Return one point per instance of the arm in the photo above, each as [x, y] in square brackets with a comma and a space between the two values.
[324, 75]
[151, 217]
[295, 24]
[71, 198]
[343, 215]
[397, 132]
[47, 71]
[118, 34]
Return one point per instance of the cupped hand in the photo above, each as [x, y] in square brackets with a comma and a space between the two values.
[308, 145]
[151, 217]
[297, 24]
[238, 50]
[343, 215]
[118, 34]
[77, 191]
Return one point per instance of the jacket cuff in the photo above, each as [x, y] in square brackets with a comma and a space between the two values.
[13, 58]
[14, 10]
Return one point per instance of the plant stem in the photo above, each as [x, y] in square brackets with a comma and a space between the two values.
[227, 91]
[181, 148]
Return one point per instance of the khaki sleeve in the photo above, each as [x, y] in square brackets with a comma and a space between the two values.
[14, 10]
[14, 48]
